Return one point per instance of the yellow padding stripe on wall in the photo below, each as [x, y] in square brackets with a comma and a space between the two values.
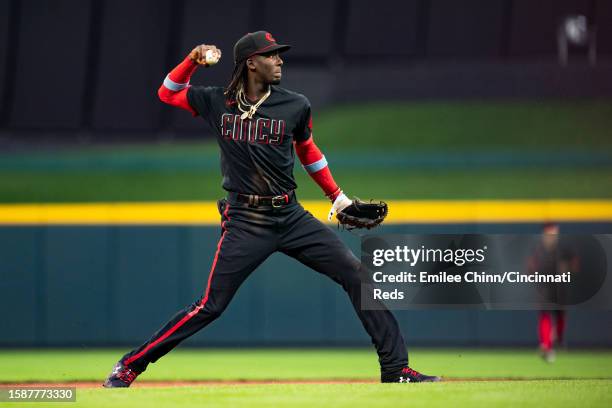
[400, 212]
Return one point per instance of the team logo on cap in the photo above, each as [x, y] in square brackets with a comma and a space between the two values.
[270, 38]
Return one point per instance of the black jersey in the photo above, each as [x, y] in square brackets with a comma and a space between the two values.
[257, 155]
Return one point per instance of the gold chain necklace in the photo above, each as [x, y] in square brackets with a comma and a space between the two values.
[248, 110]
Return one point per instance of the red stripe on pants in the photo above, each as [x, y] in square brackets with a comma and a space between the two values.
[545, 330]
[189, 315]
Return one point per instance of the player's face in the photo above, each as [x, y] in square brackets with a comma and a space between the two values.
[268, 67]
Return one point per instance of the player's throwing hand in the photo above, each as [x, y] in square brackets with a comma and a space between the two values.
[206, 55]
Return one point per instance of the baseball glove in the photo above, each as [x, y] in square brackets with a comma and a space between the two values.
[361, 214]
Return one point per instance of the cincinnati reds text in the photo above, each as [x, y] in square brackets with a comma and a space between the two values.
[260, 130]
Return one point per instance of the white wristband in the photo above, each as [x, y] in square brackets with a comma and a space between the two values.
[340, 203]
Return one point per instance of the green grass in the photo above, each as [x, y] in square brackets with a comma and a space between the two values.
[467, 126]
[374, 151]
[78, 186]
[576, 378]
[507, 394]
[264, 364]
[438, 126]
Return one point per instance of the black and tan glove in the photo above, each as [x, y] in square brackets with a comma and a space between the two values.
[358, 214]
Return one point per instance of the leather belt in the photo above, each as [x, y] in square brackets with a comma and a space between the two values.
[260, 201]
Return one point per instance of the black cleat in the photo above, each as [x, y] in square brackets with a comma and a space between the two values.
[121, 377]
[408, 375]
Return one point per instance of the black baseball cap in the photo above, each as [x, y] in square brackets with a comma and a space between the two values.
[259, 42]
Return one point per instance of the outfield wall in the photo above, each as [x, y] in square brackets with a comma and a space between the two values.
[115, 285]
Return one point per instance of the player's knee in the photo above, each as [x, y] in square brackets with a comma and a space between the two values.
[214, 309]
[215, 313]
[351, 273]
[352, 280]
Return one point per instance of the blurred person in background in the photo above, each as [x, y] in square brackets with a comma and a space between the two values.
[549, 258]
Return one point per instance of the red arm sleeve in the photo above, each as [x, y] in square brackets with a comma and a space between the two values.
[173, 90]
[316, 165]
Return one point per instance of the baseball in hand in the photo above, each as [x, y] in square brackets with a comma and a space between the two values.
[211, 57]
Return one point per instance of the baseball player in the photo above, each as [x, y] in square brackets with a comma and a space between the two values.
[259, 128]
[550, 258]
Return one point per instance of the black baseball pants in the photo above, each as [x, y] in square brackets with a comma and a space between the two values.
[249, 236]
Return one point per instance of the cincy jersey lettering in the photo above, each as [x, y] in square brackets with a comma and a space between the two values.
[260, 130]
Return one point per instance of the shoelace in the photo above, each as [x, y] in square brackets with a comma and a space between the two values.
[409, 371]
[127, 375]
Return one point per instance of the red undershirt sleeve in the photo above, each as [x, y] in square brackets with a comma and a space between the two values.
[315, 164]
[173, 90]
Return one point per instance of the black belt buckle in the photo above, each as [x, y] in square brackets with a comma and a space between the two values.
[279, 201]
